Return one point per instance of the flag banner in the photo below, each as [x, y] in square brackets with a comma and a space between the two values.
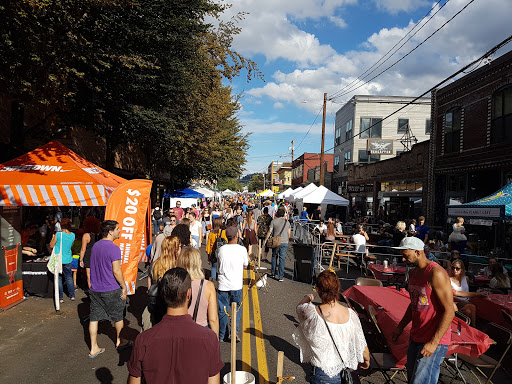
[11, 283]
[128, 206]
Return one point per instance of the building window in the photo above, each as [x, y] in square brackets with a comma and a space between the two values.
[371, 128]
[501, 121]
[427, 127]
[348, 130]
[403, 125]
[363, 156]
[347, 158]
[452, 127]
[336, 163]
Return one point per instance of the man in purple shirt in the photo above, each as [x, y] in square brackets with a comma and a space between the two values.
[108, 291]
[176, 350]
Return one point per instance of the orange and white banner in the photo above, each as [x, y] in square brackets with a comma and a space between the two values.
[128, 206]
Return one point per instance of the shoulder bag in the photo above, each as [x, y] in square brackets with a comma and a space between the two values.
[196, 309]
[55, 261]
[346, 376]
[275, 241]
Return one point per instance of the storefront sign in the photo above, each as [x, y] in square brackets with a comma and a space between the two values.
[492, 212]
[379, 147]
[11, 283]
[368, 188]
[487, 223]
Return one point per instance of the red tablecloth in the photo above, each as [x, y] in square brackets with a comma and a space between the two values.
[391, 305]
[482, 280]
[489, 308]
[389, 274]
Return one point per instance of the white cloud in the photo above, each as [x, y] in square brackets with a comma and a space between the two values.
[395, 6]
[278, 105]
[257, 126]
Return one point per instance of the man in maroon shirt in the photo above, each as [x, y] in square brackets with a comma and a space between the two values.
[178, 211]
[176, 350]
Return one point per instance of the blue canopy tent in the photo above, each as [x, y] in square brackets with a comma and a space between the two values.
[185, 193]
[497, 206]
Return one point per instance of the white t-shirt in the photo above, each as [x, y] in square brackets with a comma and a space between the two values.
[232, 260]
[360, 242]
[194, 229]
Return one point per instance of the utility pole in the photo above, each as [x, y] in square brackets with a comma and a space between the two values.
[263, 180]
[293, 148]
[323, 139]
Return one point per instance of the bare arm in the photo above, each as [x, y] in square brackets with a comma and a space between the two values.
[118, 274]
[214, 379]
[213, 314]
[53, 241]
[200, 236]
[133, 380]
[443, 289]
[86, 238]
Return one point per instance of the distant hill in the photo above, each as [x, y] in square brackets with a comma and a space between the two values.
[247, 178]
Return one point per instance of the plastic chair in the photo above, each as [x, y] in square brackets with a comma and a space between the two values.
[507, 316]
[344, 299]
[463, 317]
[365, 281]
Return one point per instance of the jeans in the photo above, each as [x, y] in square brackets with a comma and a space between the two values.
[214, 270]
[320, 377]
[68, 275]
[156, 226]
[280, 252]
[225, 298]
[424, 370]
[196, 239]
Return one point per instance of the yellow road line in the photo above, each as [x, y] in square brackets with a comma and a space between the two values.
[246, 326]
[260, 342]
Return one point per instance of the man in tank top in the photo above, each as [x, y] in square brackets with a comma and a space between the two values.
[431, 312]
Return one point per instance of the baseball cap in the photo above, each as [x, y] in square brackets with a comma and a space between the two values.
[231, 232]
[411, 243]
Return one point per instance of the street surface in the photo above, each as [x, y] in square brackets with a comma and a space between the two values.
[39, 346]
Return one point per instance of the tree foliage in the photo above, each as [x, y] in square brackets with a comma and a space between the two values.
[230, 183]
[256, 183]
[146, 73]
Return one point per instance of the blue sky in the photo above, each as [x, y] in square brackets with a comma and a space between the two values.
[307, 47]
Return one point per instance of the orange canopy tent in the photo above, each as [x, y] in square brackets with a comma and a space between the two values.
[53, 175]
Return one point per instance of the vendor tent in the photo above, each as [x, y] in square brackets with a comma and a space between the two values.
[306, 191]
[322, 195]
[283, 194]
[185, 193]
[266, 193]
[227, 192]
[208, 193]
[293, 193]
[497, 206]
[53, 175]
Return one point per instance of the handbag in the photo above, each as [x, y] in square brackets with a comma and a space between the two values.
[346, 376]
[196, 309]
[275, 241]
[55, 260]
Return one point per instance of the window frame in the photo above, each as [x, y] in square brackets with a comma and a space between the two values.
[399, 127]
[451, 133]
[373, 158]
[503, 122]
[373, 123]
[428, 126]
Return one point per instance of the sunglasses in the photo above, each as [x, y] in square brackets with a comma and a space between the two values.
[173, 221]
[456, 268]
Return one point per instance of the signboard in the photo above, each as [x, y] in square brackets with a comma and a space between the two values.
[11, 283]
[487, 223]
[360, 188]
[487, 212]
[379, 147]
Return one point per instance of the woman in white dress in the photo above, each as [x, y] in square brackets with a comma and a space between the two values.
[460, 287]
[330, 356]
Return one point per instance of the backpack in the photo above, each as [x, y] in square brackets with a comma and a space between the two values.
[263, 225]
[218, 244]
[157, 214]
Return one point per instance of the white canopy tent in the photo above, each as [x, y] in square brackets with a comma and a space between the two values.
[227, 192]
[283, 194]
[306, 191]
[292, 193]
[267, 193]
[322, 195]
[208, 193]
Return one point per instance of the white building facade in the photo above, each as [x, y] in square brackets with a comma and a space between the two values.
[360, 126]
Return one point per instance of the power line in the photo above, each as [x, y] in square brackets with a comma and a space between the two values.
[318, 114]
[411, 51]
[388, 52]
[486, 54]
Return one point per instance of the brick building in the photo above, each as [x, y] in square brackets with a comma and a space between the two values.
[307, 161]
[391, 189]
[471, 145]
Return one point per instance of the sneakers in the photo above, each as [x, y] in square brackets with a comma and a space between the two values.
[281, 279]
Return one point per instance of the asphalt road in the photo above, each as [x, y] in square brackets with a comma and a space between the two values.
[39, 346]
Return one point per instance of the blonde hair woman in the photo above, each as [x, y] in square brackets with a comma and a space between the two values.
[190, 259]
[156, 308]
[460, 287]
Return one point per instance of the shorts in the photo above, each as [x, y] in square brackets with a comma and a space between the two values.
[74, 262]
[105, 305]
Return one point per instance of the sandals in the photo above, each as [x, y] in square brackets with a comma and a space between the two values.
[122, 347]
[97, 353]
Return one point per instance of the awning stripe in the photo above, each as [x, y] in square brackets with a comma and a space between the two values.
[92, 196]
[56, 194]
[47, 200]
[33, 195]
[68, 195]
[10, 196]
[80, 196]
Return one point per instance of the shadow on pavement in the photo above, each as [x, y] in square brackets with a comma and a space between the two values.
[137, 303]
[104, 375]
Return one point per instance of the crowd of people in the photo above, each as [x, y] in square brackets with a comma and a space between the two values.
[188, 306]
